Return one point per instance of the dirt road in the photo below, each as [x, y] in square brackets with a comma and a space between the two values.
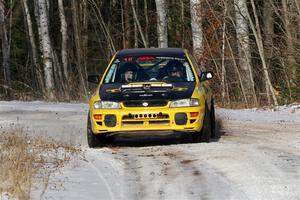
[257, 157]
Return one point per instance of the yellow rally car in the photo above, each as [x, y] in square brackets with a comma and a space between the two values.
[151, 90]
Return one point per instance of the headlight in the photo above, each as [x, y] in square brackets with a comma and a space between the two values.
[185, 103]
[106, 105]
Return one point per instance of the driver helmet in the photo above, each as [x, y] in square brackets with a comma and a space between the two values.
[174, 66]
[129, 66]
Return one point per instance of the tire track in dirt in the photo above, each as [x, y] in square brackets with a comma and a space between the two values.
[103, 180]
[173, 174]
[109, 172]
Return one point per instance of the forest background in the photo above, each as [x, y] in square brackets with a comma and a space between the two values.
[48, 47]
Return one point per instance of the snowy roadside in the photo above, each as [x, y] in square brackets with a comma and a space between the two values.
[6, 106]
[258, 157]
[280, 114]
[288, 114]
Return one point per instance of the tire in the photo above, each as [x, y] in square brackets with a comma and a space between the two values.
[205, 133]
[214, 134]
[94, 140]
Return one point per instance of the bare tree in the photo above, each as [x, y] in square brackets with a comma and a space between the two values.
[137, 22]
[136, 35]
[101, 22]
[291, 61]
[223, 72]
[64, 34]
[84, 34]
[197, 34]
[242, 33]
[127, 21]
[146, 21]
[46, 48]
[5, 48]
[259, 42]
[78, 48]
[34, 52]
[182, 25]
[162, 27]
[268, 30]
[123, 25]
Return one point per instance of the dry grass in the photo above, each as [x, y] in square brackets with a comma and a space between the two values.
[25, 160]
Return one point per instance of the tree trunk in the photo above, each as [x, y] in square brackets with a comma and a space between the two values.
[268, 30]
[5, 49]
[46, 48]
[37, 67]
[104, 27]
[146, 22]
[291, 61]
[223, 74]
[58, 75]
[127, 26]
[123, 26]
[78, 48]
[182, 25]
[237, 71]
[84, 35]
[258, 38]
[197, 34]
[137, 22]
[136, 41]
[244, 49]
[162, 25]
[64, 34]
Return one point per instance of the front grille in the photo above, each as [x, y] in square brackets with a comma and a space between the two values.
[130, 123]
[159, 122]
[152, 103]
[150, 123]
[145, 116]
[149, 119]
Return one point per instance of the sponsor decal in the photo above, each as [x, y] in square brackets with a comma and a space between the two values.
[145, 95]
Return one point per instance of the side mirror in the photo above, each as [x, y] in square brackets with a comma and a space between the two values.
[206, 76]
[94, 79]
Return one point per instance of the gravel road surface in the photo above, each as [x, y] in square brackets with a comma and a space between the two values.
[257, 157]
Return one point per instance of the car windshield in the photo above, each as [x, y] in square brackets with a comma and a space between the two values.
[149, 69]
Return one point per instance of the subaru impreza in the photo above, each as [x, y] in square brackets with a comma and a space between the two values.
[152, 90]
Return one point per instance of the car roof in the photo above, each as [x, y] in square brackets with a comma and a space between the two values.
[176, 52]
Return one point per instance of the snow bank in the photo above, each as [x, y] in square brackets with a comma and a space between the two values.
[6, 106]
[282, 114]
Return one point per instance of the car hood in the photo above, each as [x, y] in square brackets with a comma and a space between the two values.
[146, 91]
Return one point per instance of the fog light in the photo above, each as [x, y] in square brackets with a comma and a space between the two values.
[97, 117]
[194, 114]
[180, 118]
[110, 120]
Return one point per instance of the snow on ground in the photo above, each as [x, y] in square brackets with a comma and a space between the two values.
[281, 114]
[6, 196]
[257, 157]
[6, 106]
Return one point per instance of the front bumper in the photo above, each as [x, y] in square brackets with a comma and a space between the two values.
[115, 121]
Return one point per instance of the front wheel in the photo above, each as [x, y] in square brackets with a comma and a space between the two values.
[92, 139]
[214, 133]
[205, 133]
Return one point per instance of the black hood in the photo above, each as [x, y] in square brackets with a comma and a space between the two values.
[120, 92]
